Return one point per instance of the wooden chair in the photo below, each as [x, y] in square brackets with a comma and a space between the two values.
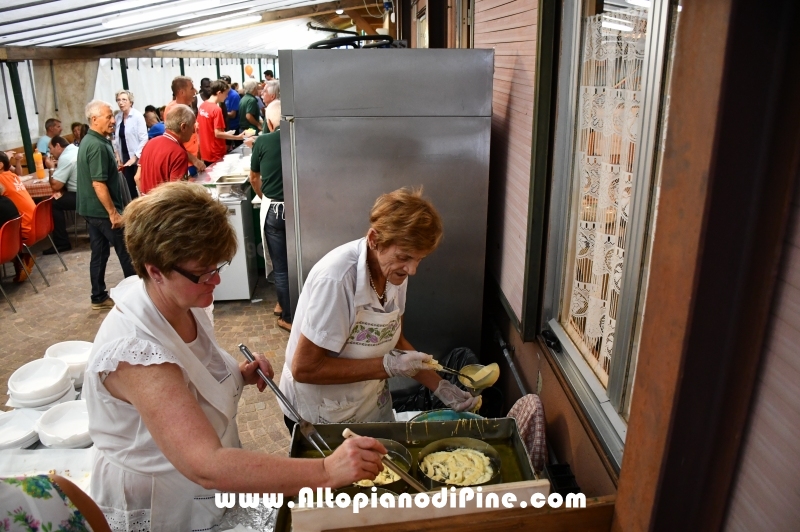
[10, 246]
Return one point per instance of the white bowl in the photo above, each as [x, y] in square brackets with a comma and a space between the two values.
[18, 429]
[76, 354]
[38, 379]
[67, 394]
[65, 426]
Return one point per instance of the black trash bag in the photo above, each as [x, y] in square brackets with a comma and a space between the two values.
[420, 397]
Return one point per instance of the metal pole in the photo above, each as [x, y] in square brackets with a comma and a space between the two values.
[260, 72]
[23, 118]
[274, 70]
[5, 90]
[123, 66]
[53, 80]
[219, 76]
[242, 61]
[33, 87]
[180, 62]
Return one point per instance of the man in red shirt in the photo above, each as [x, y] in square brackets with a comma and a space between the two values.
[212, 125]
[164, 158]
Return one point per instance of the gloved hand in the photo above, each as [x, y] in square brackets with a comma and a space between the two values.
[405, 363]
[455, 397]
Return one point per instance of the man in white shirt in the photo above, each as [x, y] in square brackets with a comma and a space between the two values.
[64, 182]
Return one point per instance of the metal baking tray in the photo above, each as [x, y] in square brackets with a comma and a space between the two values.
[500, 433]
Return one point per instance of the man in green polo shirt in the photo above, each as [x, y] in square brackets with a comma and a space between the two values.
[99, 200]
[266, 176]
[248, 107]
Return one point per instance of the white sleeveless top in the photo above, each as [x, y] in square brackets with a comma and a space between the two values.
[135, 485]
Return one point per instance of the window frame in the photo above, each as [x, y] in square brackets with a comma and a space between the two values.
[602, 407]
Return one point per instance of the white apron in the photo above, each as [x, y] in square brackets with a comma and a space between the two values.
[373, 335]
[177, 503]
[262, 217]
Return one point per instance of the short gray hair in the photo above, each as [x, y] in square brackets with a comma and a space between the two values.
[249, 85]
[273, 112]
[126, 92]
[94, 107]
[180, 114]
[273, 88]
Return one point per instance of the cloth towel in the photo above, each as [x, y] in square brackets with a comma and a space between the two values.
[529, 413]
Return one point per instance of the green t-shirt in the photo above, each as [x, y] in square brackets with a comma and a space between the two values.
[266, 159]
[248, 104]
[96, 162]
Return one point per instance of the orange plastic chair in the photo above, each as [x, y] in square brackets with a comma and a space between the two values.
[42, 227]
[10, 246]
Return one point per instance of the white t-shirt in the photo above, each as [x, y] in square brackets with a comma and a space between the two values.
[336, 288]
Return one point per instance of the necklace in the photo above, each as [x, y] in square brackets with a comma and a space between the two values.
[372, 284]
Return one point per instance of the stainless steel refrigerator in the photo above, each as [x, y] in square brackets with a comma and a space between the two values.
[358, 123]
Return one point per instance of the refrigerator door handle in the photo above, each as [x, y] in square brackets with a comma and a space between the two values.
[296, 205]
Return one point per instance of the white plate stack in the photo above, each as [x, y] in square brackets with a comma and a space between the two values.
[18, 429]
[40, 384]
[76, 354]
[65, 426]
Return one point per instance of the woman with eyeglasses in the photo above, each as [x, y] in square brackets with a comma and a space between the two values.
[162, 394]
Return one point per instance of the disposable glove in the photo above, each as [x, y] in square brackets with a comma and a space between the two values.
[455, 397]
[405, 363]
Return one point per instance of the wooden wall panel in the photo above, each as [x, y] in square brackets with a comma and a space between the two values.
[510, 28]
[766, 493]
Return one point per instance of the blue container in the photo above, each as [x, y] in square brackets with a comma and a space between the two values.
[444, 414]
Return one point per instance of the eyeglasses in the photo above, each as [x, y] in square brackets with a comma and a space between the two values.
[205, 277]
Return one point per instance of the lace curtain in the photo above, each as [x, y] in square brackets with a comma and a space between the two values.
[607, 141]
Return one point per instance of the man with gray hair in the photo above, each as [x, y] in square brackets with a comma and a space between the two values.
[248, 107]
[100, 200]
[164, 159]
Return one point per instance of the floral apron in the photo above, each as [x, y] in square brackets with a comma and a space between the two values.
[373, 335]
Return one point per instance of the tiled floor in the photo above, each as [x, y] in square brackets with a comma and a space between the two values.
[63, 311]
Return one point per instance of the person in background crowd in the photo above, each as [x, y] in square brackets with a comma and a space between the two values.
[184, 93]
[268, 76]
[154, 109]
[249, 106]
[266, 177]
[100, 200]
[8, 211]
[14, 190]
[238, 89]
[164, 159]
[211, 125]
[232, 108]
[16, 161]
[271, 92]
[155, 127]
[64, 182]
[205, 91]
[131, 136]
[52, 127]
[77, 132]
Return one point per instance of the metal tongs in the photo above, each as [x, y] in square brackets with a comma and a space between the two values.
[388, 462]
[306, 428]
[435, 366]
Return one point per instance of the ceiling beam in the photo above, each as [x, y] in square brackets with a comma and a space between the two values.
[160, 36]
[167, 54]
[360, 23]
[23, 53]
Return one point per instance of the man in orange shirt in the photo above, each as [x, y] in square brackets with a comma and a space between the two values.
[14, 190]
[184, 93]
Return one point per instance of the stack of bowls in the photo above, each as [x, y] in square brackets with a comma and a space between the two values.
[75, 354]
[65, 426]
[40, 384]
[18, 429]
